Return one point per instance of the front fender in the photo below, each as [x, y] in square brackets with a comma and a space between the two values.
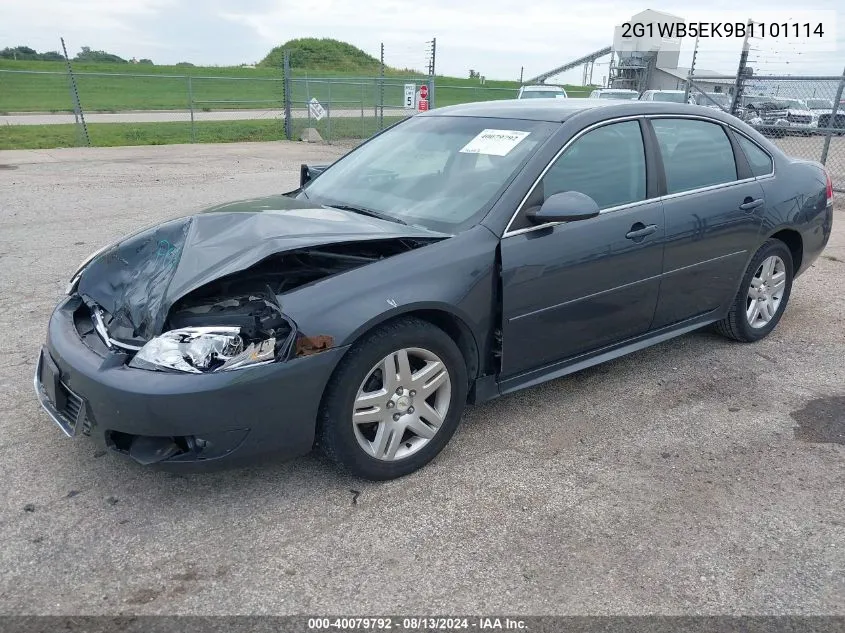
[455, 276]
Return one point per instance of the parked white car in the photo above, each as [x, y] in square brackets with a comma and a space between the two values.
[822, 110]
[800, 118]
[614, 93]
[541, 91]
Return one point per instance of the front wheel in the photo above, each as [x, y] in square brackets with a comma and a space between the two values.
[762, 296]
[395, 400]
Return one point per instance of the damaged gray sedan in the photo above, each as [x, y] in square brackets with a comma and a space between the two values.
[462, 254]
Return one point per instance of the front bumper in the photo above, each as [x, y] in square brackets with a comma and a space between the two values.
[186, 421]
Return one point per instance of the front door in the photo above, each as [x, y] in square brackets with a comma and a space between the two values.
[575, 287]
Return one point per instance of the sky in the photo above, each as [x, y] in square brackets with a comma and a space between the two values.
[498, 38]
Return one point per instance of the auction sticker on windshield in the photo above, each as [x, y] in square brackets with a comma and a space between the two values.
[494, 142]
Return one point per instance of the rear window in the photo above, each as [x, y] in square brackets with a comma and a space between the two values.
[760, 162]
[673, 97]
[543, 94]
[695, 154]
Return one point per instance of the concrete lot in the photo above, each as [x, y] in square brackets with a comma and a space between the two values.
[699, 476]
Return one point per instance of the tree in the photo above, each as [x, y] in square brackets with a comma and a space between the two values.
[87, 55]
[146, 61]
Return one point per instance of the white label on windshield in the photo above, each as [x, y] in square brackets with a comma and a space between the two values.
[494, 142]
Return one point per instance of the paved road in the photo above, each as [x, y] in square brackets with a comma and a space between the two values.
[159, 116]
[698, 476]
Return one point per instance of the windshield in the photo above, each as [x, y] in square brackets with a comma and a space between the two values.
[439, 172]
[795, 104]
[618, 94]
[820, 104]
[674, 97]
[543, 94]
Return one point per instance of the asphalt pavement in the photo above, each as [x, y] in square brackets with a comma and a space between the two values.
[699, 476]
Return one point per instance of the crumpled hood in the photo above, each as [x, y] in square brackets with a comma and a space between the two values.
[138, 279]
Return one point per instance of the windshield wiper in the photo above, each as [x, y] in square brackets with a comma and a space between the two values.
[369, 212]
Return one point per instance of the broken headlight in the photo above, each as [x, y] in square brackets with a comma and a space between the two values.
[200, 350]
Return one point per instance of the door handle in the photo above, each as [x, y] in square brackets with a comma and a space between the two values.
[749, 204]
[640, 230]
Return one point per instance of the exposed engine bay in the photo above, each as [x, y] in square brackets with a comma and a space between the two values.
[238, 320]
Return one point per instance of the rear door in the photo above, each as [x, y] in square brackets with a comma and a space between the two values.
[571, 288]
[714, 212]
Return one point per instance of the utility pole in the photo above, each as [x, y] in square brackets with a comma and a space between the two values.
[521, 70]
[78, 115]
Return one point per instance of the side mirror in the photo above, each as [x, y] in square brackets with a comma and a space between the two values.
[307, 173]
[567, 206]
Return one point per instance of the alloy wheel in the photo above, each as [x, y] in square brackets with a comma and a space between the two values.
[401, 404]
[765, 292]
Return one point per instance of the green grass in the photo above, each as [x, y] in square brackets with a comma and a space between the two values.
[119, 134]
[216, 88]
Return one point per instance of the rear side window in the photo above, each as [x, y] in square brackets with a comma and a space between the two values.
[760, 161]
[695, 154]
[607, 164]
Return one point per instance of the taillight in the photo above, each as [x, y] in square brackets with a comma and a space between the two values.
[829, 188]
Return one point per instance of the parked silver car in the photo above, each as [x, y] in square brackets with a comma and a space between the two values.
[541, 91]
[614, 93]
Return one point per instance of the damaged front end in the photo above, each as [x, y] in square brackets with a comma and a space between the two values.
[152, 303]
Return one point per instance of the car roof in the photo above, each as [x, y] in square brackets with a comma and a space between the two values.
[542, 87]
[559, 110]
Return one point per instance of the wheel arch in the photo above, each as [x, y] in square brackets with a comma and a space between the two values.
[454, 325]
[441, 317]
[795, 243]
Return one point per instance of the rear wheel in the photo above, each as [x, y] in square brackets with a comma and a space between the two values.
[395, 400]
[762, 296]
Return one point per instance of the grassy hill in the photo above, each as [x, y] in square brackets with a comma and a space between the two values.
[322, 54]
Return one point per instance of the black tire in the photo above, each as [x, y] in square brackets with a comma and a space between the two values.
[735, 325]
[335, 433]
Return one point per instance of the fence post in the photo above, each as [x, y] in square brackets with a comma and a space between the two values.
[191, 108]
[432, 74]
[286, 96]
[832, 123]
[329, 114]
[78, 114]
[740, 71]
[691, 72]
[363, 128]
[381, 91]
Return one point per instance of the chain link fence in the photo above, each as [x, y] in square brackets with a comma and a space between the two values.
[804, 116]
[65, 106]
[131, 108]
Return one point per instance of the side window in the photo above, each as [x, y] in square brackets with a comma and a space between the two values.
[607, 164]
[695, 153]
[760, 161]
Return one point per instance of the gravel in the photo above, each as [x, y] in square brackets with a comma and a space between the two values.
[699, 476]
